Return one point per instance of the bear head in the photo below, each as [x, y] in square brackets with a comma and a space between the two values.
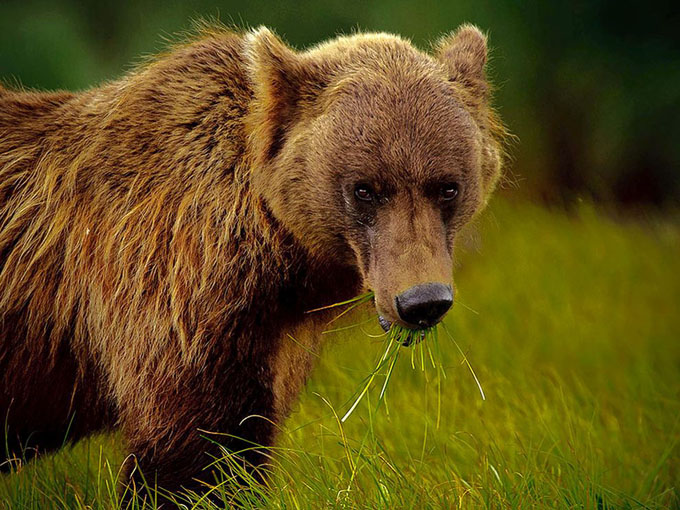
[374, 154]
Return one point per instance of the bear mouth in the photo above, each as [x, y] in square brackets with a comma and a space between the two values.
[410, 340]
[384, 323]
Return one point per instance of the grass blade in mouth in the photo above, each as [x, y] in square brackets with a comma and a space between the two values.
[389, 352]
[394, 342]
[362, 297]
[399, 337]
[354, 302]
[389, 374]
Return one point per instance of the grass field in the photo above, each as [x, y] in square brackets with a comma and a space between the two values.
[572, 325]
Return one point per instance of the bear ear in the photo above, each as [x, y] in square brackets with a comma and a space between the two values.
[463, 53]
[281, 82]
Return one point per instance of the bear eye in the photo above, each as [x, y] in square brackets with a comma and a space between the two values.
[363, 193]
[448, 191]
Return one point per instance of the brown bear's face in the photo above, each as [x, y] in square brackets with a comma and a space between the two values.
[375, 155]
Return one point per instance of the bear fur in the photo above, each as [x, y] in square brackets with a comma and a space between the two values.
[162, 235]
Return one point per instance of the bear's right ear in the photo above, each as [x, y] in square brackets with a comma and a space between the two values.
[281, 83]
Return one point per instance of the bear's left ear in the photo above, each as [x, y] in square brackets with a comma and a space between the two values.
[282, 83]
[463, 53]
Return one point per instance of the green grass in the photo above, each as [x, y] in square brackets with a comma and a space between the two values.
[571, 324]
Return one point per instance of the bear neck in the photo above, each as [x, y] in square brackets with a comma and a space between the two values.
[274, 284]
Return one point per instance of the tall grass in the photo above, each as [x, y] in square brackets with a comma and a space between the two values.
[571, 325]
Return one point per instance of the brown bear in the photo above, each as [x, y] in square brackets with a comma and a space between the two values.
[162, 235]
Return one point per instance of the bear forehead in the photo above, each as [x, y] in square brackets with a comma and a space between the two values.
[409, 125]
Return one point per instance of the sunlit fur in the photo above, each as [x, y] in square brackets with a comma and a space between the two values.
[149, 274]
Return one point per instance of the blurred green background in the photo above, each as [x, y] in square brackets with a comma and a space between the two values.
[591, 89]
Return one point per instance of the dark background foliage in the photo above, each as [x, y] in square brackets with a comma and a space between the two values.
[591, 89]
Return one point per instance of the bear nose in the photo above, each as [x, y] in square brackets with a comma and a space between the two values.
[425, 304]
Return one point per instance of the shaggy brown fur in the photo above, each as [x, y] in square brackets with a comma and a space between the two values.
[161, 235]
